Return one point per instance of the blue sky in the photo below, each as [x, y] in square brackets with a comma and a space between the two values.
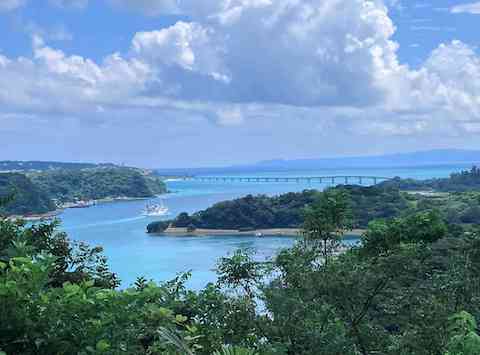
[167, 83]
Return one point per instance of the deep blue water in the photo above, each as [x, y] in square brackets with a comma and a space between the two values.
[120, 228]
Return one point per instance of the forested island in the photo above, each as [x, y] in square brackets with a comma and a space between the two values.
[456, 199]
[40, 192]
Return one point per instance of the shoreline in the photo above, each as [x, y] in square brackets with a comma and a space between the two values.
[37, 217]
[73, 205]
[285, 232]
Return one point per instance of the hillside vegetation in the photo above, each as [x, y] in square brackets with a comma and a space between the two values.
[287, 210]
[467, 180]
[23, 196]
[366, 203]
[410, 288]
[35, 193]
[25, 166]
[97, 183]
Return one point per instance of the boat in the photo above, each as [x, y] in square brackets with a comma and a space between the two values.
[155, 210]
[81, 204]
[259, 235]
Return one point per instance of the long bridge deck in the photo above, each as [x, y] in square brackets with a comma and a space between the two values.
[309, 179]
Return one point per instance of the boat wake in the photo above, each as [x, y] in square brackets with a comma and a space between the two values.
[106, 223]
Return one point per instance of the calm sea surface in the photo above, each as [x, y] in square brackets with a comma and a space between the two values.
[120, 228]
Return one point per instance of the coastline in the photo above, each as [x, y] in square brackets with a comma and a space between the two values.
[37, 217]
[286, 232]
[82, 204]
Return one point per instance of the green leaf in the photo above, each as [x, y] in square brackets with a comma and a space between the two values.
[103, 345]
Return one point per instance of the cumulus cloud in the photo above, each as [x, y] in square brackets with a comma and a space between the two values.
[284, 51]
[238, 60]
[8, 5]
[188, 46]
[54, 82]
[471, 8]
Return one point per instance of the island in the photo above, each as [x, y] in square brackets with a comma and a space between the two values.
[456, 200]
[281, 214]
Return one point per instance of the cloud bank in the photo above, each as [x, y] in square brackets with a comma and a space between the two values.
[234, 61]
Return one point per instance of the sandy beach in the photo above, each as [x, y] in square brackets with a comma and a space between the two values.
[264, 232]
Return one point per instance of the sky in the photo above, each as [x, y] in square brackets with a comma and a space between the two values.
[190, 83]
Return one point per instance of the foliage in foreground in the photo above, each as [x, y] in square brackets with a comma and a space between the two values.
[411, 288]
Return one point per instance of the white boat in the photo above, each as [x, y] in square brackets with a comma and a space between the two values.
[155, 210]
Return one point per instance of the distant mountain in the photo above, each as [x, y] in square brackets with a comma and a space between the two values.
[11, 166]
[431, 157]
[422, 158]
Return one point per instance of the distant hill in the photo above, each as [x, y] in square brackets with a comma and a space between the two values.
[464, 181]
[27, 198]
[423, 158]
[19, 166]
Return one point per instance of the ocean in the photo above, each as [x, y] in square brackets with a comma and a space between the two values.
[120, 228]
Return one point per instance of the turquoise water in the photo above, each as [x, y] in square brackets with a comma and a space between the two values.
[120, 228]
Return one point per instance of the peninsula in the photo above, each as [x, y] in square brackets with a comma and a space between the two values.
[36, 194]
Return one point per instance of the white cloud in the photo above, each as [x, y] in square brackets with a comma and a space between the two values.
[240, 60]
[54, 82]
[189, 46]
[76, 4]
[8, 5]
[471, 8]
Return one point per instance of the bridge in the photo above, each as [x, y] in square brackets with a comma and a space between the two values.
[346, 179]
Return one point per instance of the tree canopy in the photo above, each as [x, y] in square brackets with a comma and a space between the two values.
[410, 288]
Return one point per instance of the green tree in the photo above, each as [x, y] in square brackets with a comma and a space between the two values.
[464, 339]
[326, 222]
